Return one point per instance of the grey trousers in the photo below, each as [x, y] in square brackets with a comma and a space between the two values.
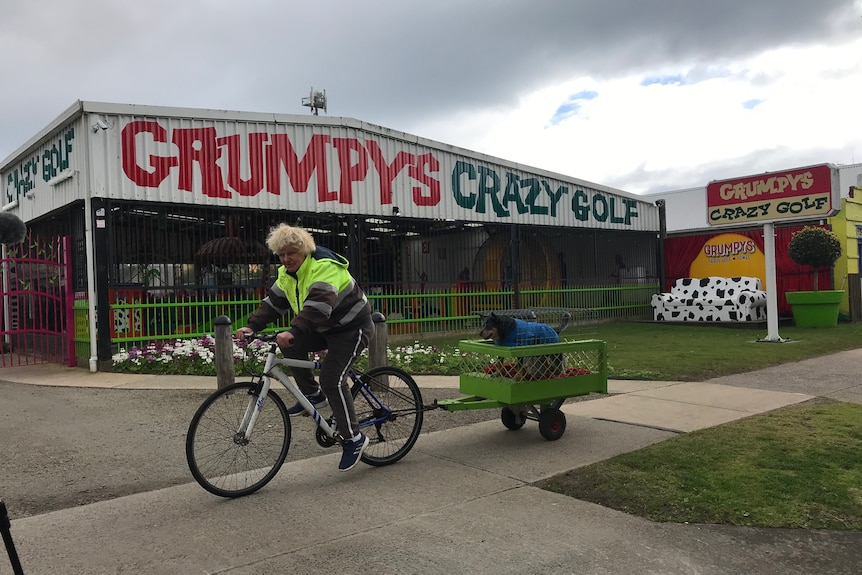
[342, 350]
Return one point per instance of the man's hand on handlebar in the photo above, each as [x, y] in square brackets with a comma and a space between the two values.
[284, 339]
[243, 332]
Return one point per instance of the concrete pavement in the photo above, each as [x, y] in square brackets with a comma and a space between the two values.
[460, 502]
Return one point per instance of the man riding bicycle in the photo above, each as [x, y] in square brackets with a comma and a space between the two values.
[331, 313]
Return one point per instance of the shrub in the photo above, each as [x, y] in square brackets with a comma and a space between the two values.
[816, 247]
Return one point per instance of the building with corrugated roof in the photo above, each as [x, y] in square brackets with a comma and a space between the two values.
[166, 211]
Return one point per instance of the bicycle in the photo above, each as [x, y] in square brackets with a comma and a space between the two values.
[240, 435]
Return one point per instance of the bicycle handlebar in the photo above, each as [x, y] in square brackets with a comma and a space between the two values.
[265, 337]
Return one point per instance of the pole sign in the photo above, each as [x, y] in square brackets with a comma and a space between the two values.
[803, 193]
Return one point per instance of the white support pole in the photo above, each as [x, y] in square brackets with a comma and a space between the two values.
[771, 284]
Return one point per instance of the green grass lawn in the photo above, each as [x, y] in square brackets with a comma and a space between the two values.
[796, 467]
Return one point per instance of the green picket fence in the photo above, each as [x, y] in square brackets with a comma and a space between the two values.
[407, 315]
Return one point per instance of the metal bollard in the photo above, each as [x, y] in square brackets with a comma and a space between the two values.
[378, 346]
[6, 530]
[225, 370]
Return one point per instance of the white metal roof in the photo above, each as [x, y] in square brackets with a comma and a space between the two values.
[116, 151]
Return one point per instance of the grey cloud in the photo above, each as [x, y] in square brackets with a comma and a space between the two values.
[645, 181]
[492, 53]
[389, 62]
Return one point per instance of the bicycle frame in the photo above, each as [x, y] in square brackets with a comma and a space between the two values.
[228, 462]
[272, 370]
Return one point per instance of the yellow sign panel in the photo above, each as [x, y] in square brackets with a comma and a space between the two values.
[809, 206]
[729, 255]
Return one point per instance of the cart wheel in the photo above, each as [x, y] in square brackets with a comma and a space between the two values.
[552, 423]
[513, 420]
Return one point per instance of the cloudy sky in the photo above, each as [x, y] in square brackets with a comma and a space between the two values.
[640, 95]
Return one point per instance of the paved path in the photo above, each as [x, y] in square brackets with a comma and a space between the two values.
[460, 502]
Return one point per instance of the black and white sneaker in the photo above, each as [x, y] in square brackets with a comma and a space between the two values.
[352, 452]
[317, 399]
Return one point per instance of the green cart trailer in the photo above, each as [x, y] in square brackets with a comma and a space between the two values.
[529, 382]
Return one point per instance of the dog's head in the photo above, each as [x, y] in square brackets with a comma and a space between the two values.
[497, 326]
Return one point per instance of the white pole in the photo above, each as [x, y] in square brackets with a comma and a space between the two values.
[771, 285]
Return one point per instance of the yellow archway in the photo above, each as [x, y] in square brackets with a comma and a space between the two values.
[537, 260]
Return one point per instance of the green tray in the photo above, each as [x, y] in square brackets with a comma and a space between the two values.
[514, 392]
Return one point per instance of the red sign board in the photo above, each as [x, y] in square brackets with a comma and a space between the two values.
[795, 194]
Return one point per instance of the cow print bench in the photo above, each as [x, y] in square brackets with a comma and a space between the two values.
[712, 299]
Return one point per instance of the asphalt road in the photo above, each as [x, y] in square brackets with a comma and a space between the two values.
[61, 447]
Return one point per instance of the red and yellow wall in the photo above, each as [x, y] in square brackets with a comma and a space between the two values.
[740, 253]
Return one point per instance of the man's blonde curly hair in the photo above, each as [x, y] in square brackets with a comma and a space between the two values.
[283, 237]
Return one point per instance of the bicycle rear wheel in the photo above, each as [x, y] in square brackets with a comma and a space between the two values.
[389, 409]
[219, 457]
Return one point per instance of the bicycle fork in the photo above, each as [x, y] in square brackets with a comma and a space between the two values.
[252, 411]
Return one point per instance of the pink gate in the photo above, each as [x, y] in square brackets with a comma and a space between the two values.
[37, 317]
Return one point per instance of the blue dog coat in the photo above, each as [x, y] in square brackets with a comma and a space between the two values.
[529, 333]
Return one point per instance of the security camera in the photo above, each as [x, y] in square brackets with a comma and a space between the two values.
[100, 125]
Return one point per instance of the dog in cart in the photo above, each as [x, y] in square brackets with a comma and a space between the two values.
[509, 331]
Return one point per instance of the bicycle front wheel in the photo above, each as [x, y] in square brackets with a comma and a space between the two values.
[220, 457]
[389, 408]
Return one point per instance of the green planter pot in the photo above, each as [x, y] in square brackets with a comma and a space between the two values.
[815, 308]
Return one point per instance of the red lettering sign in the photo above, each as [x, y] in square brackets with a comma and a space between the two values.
[729, 249]
[802, 182]
[219, 162]
[158, 167]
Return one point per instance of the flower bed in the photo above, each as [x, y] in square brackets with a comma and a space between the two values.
[196, 357]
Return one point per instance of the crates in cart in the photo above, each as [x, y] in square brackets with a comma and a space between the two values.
[533, 373]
